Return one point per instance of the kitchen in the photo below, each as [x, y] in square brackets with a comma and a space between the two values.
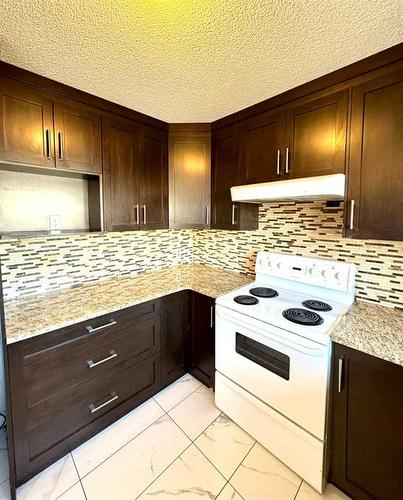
[201, 259]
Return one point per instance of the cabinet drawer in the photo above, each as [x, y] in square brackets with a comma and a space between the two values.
[43, 347]
[58, 418]
[74, 364]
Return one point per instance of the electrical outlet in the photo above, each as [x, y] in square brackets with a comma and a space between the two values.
[54, 224]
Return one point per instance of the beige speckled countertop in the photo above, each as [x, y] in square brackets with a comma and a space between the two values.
[372, 329]
[369, 328]
[42, 313]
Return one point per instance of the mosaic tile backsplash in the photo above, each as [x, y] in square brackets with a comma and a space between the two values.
[313, 230]
[37, 265]
[31, 266]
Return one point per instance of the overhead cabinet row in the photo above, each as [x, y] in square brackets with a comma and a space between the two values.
[356, 131]
[352, 127]
[41, 130]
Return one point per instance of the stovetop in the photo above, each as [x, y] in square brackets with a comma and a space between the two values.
[276, 309]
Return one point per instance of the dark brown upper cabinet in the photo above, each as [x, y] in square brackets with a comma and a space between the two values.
[121, 163]
[26, 117]
[154, 179]
[316, 136]
[40, 131]
[135, 176]
[263, 143]
[189, 175]
[304, 139]
[367, 439]
[375, 186]
[77, 137]
[226, 172]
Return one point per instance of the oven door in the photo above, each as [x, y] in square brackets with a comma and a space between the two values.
[288, 372]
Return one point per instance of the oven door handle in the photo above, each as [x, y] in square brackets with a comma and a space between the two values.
[291, 345]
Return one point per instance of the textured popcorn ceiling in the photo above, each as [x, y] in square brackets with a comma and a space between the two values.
[192, 60]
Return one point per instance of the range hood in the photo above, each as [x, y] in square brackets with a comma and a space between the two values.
[323, 187]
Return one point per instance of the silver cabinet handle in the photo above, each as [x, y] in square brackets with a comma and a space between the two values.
[278, 162]
[93, 407]
[340, 375]
[286, 160]
[91, 329]
[144, 214]
[60, 141]
[137, 214]
[211, 316]
[47, 142]
[91, 363]
[233, 215]
[207, 215]
[352, 209]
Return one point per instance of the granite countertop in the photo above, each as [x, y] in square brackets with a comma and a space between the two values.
[369, 328]
[372, 329]
[42, 313]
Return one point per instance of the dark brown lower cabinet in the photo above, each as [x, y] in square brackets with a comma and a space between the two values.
[67, 385]
[175, 328]
[202, 338]
[367, 431]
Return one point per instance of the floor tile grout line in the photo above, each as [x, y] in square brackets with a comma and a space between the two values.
[166, 468]
[244, 458]
[299, 487]
[191, 443]
[201, 451]
[81, 484]
[182, 400]
[123, 446]
[130, 440]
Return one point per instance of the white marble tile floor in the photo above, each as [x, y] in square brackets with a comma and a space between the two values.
[177, 445]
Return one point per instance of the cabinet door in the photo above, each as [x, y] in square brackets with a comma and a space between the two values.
[174, 329]
[154, 179]
[77, 137]
[189, 178]
[263, 139]
[316, 136]
[26, 130]
[226, 172]
[203, 341]
[121, 147]
[367, 436]
[376, 160]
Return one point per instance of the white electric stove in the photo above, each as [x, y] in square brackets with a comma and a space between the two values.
[273, 353]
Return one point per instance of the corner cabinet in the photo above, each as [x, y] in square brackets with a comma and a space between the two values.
[226, 172]
[189, 175]
[375, 180]
[135, 176]
[367, 437]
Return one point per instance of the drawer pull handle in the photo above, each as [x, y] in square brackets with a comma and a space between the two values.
[91, 363]
[91, 329]
[93, 408]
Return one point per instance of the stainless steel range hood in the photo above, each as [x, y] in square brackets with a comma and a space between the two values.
[323, 187]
